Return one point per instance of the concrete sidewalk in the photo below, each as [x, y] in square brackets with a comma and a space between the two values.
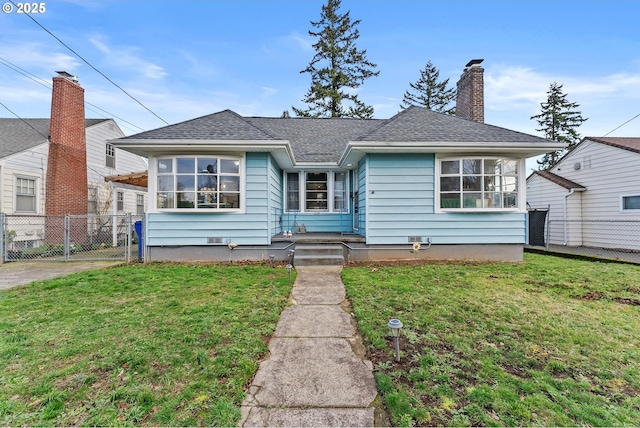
[313, 376]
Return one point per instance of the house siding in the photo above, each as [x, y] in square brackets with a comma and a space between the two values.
[400, 205]
[543, 194]
[607, 173]
[196, 228]
[31, 163]
[275, 198]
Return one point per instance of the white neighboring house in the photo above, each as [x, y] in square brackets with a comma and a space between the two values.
[593, 194]
[23, 170]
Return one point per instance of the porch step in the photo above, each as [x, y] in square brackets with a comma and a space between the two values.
[318, 255]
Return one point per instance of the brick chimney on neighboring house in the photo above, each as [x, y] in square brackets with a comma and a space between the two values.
[470, 98]
[66, 186]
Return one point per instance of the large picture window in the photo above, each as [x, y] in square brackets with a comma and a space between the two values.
[478, 183]
[317, 191]
[203, 182]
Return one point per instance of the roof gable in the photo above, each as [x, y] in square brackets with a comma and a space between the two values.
[420, 124]
[332, 140]
[17, 135]
[224, 125]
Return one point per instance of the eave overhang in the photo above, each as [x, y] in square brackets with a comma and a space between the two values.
[356, 150]
[279, 149]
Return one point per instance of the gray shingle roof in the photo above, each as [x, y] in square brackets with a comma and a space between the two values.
[224, 125]
[419, 124]
[316, 140]
[17, 135]
[325, 139]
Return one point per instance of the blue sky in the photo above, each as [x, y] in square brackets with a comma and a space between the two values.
[185, 59]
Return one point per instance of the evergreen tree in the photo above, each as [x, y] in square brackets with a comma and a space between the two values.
[429, 93]
[559, 122]
[337, 68]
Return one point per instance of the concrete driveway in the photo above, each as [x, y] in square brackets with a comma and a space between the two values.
[18, 273]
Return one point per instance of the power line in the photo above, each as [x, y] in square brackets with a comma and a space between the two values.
[615, 129]
[48, 85]
[90, 65]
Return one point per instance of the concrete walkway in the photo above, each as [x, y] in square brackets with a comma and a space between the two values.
[313, 376]
[18, 273]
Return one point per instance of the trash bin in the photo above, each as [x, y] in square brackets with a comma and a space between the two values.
[140, 239]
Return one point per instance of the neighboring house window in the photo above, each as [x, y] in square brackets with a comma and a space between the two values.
[478, 183]
[321, 191]
[203, 182]
[25, 195]
[139, 204]
[631, 202]
[110, 156]
[92, 207]
[120, 201]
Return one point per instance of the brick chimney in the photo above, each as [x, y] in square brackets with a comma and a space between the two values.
[470, 98]
[66, 186]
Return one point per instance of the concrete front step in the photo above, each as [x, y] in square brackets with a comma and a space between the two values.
[318, 255]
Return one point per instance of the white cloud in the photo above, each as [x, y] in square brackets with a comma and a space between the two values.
[267, 92]
[33, 55]
[127, 58]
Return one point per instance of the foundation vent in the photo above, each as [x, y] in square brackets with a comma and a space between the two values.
[214, 240]
[412, 239]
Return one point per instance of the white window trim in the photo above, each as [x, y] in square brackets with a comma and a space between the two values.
[630, 211]
[302, 189]
[152, 203]
[110, 153]
[35, 193]
[521, 179]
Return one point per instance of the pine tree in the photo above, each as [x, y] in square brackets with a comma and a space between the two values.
[559, 122]
[337, 68]
[429, 93]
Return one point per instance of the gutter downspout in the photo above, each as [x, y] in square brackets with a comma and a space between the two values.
[566, 197]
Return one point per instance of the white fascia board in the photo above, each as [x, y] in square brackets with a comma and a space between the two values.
[356, 149]
[280, 150]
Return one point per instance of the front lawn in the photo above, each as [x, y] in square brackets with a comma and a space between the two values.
[156, 344]
[547, 342]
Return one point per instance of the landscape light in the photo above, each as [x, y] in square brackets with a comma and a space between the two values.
[395, 325]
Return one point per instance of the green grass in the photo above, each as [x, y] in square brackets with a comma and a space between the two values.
[156, 344]
[546, 342]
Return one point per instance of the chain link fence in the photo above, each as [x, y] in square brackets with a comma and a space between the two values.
[614, 239]
[69, 237]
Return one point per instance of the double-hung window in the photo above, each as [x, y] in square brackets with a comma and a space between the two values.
[120, 201]
[139, 204]
[200, 182]
[478, 183]
[25, 195]
[110, 156]
[317, 191]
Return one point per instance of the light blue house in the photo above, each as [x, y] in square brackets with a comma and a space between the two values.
[224, 186]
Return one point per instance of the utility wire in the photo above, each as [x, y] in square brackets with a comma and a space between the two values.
[90, 65]
[615, 129]
[48, 85]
